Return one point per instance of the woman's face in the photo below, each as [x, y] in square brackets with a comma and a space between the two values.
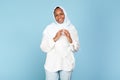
[59, 15]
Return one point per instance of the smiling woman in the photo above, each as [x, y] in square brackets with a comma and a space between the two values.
[60, 41]
[59, 15]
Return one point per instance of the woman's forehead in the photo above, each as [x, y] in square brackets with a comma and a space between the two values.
[58, 9]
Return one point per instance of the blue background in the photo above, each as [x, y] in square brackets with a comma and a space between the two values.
[21, 26]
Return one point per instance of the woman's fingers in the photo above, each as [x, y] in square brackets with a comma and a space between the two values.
[67, 33]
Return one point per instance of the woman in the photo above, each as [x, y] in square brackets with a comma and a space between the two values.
[60, 41]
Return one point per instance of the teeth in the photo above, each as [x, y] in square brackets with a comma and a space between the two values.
[60, 19]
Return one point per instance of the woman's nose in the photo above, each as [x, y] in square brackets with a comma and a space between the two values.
[59, 16]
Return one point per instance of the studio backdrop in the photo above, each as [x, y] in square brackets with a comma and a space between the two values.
[23, 21]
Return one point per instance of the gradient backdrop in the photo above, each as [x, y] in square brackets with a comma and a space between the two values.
[21, 26]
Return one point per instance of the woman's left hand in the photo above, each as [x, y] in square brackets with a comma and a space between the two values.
[67, 34]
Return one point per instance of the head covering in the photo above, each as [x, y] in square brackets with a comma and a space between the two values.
[66, 22]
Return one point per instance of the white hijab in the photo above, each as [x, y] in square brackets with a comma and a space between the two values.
[66, 22]
[54, 27]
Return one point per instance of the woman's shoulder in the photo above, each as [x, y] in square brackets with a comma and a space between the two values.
[49, 27]
[71, 26]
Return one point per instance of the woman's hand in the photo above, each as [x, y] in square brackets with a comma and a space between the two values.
[61, 32]
[67, 34]
[58, 35]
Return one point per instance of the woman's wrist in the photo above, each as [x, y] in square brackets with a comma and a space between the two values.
[69, 39]
[55, 39]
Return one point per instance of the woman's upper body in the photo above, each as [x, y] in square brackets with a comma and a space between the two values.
[60, 40]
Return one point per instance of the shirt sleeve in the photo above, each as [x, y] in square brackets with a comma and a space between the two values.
[75, 45]
[47, 43]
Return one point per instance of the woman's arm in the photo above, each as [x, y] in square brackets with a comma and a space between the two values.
[47, 43]
[74, 46]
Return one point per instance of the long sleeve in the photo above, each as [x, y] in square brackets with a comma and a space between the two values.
[47, 43]
[74, 46]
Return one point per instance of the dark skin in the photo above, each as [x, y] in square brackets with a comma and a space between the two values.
[59, 17]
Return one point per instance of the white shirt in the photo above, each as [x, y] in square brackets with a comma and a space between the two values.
[60, 53]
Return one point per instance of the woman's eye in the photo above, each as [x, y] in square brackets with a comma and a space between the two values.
[56, 15]
[61, 14]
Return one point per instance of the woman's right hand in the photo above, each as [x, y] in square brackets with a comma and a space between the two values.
[58, 35]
